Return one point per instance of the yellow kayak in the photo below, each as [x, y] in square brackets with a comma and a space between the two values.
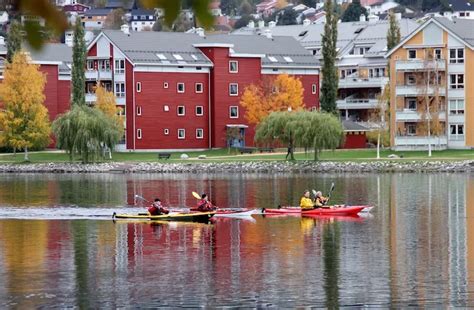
[190, 217]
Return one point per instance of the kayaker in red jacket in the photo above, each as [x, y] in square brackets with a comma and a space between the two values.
[204, 205]
[157, 208]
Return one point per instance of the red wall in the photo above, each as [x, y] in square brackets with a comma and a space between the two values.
[354, 141]
[129, 133]
[154, 119]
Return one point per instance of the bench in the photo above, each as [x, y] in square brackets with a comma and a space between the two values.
[164, 155]
[266, 149]
[246, 150]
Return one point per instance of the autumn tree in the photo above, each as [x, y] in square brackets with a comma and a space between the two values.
[270, 95]
[24, 119]
[105, 101]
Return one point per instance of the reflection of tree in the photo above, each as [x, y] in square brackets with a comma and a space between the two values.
[331, 238]
[81, 262]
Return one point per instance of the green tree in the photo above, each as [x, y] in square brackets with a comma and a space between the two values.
[325, 132]
[14, 40]
[245, 8]
[24, 120]
[393, 33]
[353, 12]
[229, 7]
[287, 17]
[330, 77]
[78, 65]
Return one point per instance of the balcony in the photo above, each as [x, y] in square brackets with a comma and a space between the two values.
[98, 75]
[414, 90]
[407, 115]
[420, 65]
[420, 142]
[356, 103]
[362, 82]
[90, 97]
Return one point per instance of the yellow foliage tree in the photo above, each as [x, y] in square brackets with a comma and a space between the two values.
[282, 93]
[24, 119]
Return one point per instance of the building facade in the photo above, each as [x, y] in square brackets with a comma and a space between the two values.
[433, 73]
[182, 91]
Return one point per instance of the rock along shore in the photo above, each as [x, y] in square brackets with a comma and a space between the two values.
[244, 167]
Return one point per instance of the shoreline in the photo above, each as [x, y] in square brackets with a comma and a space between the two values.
[244, 167]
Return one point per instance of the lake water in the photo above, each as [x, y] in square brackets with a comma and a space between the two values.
[59, 246]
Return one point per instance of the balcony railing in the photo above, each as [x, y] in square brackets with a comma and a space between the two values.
[353, 103]
[420, 65]
[362, 82]
[406, 115]
[91, 97]
[420, 140]
[415, 90]
[98, 74]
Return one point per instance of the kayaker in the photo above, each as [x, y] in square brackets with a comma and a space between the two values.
[320, 201]
[306, 203]
[204, 205]
[157, 208]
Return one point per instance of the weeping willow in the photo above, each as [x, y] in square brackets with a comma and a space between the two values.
[86, 132]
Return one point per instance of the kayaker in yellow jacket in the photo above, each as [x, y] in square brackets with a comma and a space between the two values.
[306, 203]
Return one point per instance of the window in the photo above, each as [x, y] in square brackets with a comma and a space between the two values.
[233, 66]
[411, 129]
[411, 80]
[104, 65]
[139, 133]
[376, 72]
[178, 57]
[233, 89]
[139, 87]
[165, 85]
[456, 106]
[180, 87]
[166, 131]
[313, 89]
[199, 133]
[456, 132]
[411, 54]
[181, 110]
[166, 108]
[234, 112]
[456, 56]
[410, 104]
[288, 59]
[119, 66]
[456, 81]
[199, 87]
[120, 90]
[139, 110]
[272, 59]
[181, 133]
[437, 53]
[90, 65]
[199, 110]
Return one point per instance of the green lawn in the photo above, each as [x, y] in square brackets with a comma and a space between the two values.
[222, 155]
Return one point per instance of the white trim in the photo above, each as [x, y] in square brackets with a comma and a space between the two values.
[229, 45]
[184, 133]
[111, 42]
[274, 66]
[230, 93]
[246, 55]
[166, 85]
[423, 46]
[166, 131]
[202, 110]
[139, 110]
[139, 87]
[184, 110]
[237, 63]
[177, 88]
[154, 64]
[314, 89]
[46, 62]
[190, 69]
[139, 133]
[290, 71]
[202, 133]
[166, 108]
[195, 88]
[230, 111]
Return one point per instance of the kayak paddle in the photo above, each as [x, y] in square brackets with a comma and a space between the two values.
[196, 195]
[330, 192]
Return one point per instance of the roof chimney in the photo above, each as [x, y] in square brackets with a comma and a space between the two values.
[271, 24]
[200, 32]
[306, 22]
[268, 33]
[251, 24]
[261, 24]
[398, 16]
[125, 29]
[362, 18]
[373, 18]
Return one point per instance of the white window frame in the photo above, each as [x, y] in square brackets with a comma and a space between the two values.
[408, 131]
[202, 133]
[196, 88]
[438, 53]
[183, 108]
[456, 59]
[165, 85]
[314, 89]
[236, 88]
[177, 87]
[456, 107]
[139, 134]
[166, 108]
[139, 110]
[184, 133]
[104, 65]
[456, 136]
[166, 131]
[118, 68]
[408, 53]
[90, 65]
[236, 109]
[236, 65]
[202, 110]
[456, 84]
[121, 92]
[407, 104]
[139, 87]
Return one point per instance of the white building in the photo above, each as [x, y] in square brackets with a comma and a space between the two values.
[142, 19]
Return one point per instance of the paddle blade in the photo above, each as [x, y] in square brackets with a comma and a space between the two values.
[332, 186]
[196, 195]
[314, 192]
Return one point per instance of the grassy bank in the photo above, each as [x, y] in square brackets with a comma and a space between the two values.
[223, 155]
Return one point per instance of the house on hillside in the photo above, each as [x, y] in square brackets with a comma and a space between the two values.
[267, 7]
[440, 51]
[94, 19]
[142, 19]
[381, 7]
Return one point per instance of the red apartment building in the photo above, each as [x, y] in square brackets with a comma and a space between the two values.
[182, 91]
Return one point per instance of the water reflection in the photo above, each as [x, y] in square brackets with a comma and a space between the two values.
[418, 249]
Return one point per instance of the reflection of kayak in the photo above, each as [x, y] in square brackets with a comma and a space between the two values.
[352, 210]
[232, 213]
[191, 217]
[329, 217]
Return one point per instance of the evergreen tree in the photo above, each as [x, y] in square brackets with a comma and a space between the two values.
[287, 17]
[14, 40]
[353, 12]
[330, 77]
[393, 34]
[78, 65]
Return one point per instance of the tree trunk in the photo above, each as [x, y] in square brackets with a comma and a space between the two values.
[316, 154]
[378, 145]
[26, 154]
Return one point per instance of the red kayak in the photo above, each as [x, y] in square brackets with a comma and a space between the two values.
[352, 210]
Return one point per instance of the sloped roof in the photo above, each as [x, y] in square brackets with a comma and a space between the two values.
[462, 27]
[353, 126]
[57, 52]
[97, 12]
[461, 5]
[124, 4]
